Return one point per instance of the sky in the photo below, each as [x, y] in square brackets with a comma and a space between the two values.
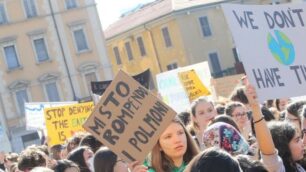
[110, 10]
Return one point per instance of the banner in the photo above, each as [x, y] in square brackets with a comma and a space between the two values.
[129, 119]
[271, 44]
[143, 78]
[193, 85]
[34, 113]
[62, 122]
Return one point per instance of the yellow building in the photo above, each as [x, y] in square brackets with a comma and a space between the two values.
[174, 33]
[50, 51]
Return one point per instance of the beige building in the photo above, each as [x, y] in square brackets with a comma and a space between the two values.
[50, 51]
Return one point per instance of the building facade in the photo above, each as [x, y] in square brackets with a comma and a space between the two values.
[175, 33]
[50, 51]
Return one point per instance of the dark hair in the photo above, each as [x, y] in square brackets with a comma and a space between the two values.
[90, 141]
[213, 159]
[268, 115]
[161, 162]
[77, 157]
[226, 119]
[62, 165]
[248, 165]
[295, 108]
[105, 160]
[220, 109]
[282, 133]
[55, 151]
[74, 141]
[31, 158]
[239, 95]
[230, 107]
[303, 114]
[269, 103]
[184, 117]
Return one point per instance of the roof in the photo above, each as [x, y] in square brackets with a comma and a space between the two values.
[149, 12]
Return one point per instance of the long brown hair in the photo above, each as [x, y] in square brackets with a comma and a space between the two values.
[161, 162]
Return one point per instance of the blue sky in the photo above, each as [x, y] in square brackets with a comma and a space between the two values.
[110, 10]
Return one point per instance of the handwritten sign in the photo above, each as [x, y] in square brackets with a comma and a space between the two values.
[193, 85]
[129, 119]
[62, 122]
[271, 45]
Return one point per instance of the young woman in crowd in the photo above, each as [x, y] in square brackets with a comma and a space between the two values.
[173, 151]
[107, 161]
[239, 114]
[81, 156]
[281, 147]
[202, 112]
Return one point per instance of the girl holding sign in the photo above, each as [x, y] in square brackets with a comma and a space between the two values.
[173, 151]
[280, 144]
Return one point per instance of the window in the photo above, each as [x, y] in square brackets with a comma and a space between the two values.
[141, 46]
[3, 18]
[21, 98]
[117, 55]
[30, 9]
[172, 66]
[90, 77]
[215, 64]
[80, 39]
[52, 92]
[11, 56]
[205, 26]
[166, 36]
[70, 4]
[41, 49]
[129, 50]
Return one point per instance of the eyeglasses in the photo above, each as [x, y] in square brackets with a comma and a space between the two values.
[239, 115]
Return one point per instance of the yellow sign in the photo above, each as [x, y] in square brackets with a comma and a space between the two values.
[62, 122]
[193, 85]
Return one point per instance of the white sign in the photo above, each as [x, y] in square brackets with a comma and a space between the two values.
[271, 42]
[34, 113]
[173, 92]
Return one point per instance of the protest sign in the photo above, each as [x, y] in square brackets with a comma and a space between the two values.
[270, 42]
[171, 89]
[99, 87]
[193, 85]
[34, 113]
[129, 119]
[62, 122]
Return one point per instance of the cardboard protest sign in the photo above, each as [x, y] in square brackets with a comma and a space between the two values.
[144, 78]
[34, 113]
[62, 122]
[271, 46]
[193, 85]
[129, 119]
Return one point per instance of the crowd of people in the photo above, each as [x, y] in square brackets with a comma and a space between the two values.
[236, 135]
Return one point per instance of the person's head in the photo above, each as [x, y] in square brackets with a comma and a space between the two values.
[81, 156]
[41, 169]
[225, 136]
[107, 161]
[268, 115]
[66, 166]
[293, 112]
[202, 112]
[90, 141]
[226, 119]
[31, 158]
[248, 165]
[303, 114]
[173, 144]
[74, 141]
[55, 151]
[281, 104]
[238, 95]
[9, 159]
[288, 143]
[238, 112]
[213, 159]
[184, 117]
